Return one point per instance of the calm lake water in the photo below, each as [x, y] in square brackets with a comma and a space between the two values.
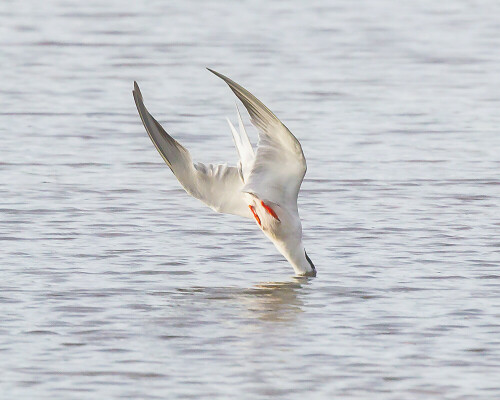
[115, 284]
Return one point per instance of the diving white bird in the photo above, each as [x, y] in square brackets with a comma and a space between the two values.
[264, 186]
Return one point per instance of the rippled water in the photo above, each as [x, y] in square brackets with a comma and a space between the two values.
[115, 284]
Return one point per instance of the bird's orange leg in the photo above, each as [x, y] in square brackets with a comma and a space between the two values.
[269, 210]
[252, 209]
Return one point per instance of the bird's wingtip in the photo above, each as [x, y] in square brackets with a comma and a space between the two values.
[217, 73]
[137, 91]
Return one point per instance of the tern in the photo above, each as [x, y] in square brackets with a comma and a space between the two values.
[265, 184]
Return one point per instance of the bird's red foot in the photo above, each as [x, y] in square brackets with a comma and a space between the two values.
[269, 210]
[252, 209]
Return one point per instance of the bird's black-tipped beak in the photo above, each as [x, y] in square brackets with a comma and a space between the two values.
[313, 272]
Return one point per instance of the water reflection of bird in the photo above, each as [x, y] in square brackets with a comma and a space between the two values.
[269, 301]
[275, 301]
[264, 186]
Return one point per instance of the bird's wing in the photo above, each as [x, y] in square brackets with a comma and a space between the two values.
[243, 146]
[279, 166]
[218, 186]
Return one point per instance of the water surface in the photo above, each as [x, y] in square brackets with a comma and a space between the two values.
[115, 284]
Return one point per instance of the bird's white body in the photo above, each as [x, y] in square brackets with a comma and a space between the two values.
[264, 186]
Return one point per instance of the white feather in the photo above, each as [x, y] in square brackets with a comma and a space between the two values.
[243, 146]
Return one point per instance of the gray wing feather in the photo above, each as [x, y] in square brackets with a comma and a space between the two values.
[218, 186]
[279, 165]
